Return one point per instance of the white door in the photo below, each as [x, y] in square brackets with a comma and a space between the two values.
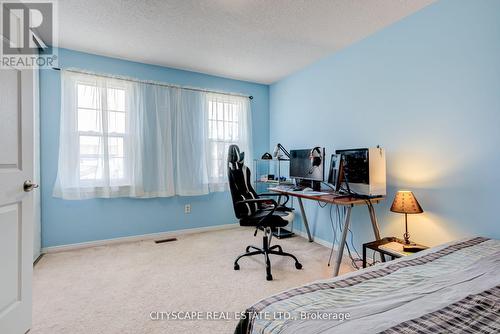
[16, 203]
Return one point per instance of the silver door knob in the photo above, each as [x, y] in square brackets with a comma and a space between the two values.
[29, 185]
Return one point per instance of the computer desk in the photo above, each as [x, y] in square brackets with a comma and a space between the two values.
[348, 202]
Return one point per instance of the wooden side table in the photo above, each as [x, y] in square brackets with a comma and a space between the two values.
[375, 245]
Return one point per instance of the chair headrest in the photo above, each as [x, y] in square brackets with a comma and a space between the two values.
[234, 156]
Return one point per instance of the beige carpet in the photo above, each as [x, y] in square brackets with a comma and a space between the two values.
[113, 289]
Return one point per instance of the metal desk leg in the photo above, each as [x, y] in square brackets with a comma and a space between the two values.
[304, 219]
[340, 251]
[373, 218]
[364, 256]
[376, 231]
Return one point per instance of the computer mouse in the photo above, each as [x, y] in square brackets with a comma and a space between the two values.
[307, 189]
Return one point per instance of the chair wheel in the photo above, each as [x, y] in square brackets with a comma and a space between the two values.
[269, 277]
[236, 266]
[298, 265]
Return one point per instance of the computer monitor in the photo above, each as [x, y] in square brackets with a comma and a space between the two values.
[307, 164]
[336, 172]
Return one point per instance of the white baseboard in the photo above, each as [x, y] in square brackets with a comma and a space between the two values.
[322, 242]
[317, 240]
[134, 238]
[163, 235]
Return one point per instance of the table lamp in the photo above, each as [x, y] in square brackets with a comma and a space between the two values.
[405, 202]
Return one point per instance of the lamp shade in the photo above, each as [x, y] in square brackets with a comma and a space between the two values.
[405, 202]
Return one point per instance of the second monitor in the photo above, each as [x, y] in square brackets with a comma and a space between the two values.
[336, 173]
[308, 166]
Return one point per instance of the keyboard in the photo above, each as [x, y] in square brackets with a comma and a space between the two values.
[313, 193]
[310, 193]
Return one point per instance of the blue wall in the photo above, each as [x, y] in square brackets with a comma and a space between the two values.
[428, 90]
[67, 222]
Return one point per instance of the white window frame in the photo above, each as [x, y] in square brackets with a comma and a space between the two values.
[221, 178]
[104, 134]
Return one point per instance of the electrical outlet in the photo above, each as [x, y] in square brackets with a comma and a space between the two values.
[187, 208]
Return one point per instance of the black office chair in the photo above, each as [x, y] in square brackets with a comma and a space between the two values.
[256, 210]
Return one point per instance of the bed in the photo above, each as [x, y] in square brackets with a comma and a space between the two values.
[452, 288]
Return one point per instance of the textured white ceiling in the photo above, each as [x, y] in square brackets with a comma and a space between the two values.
[254, 40]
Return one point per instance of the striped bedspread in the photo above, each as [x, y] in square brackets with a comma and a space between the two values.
[453, 288]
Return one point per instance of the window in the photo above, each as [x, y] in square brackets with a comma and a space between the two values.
[126, 138]
[101, 124]
[227, 124]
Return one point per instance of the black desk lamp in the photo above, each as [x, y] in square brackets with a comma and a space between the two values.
[277, 149]
[405, 202]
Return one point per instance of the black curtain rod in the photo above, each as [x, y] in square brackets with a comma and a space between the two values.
[159, 84]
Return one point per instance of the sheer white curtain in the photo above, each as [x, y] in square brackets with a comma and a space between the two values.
[128, 138]
[97, 156]
[229, 122]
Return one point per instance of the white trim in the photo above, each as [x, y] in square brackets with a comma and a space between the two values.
[37, 208]
[135, 238]
[317, 240]
[322, 242]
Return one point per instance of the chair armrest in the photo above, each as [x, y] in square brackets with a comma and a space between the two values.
[287, 198]
[259, 200]
[262, 201]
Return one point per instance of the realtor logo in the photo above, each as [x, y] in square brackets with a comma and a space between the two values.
[28, 35]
